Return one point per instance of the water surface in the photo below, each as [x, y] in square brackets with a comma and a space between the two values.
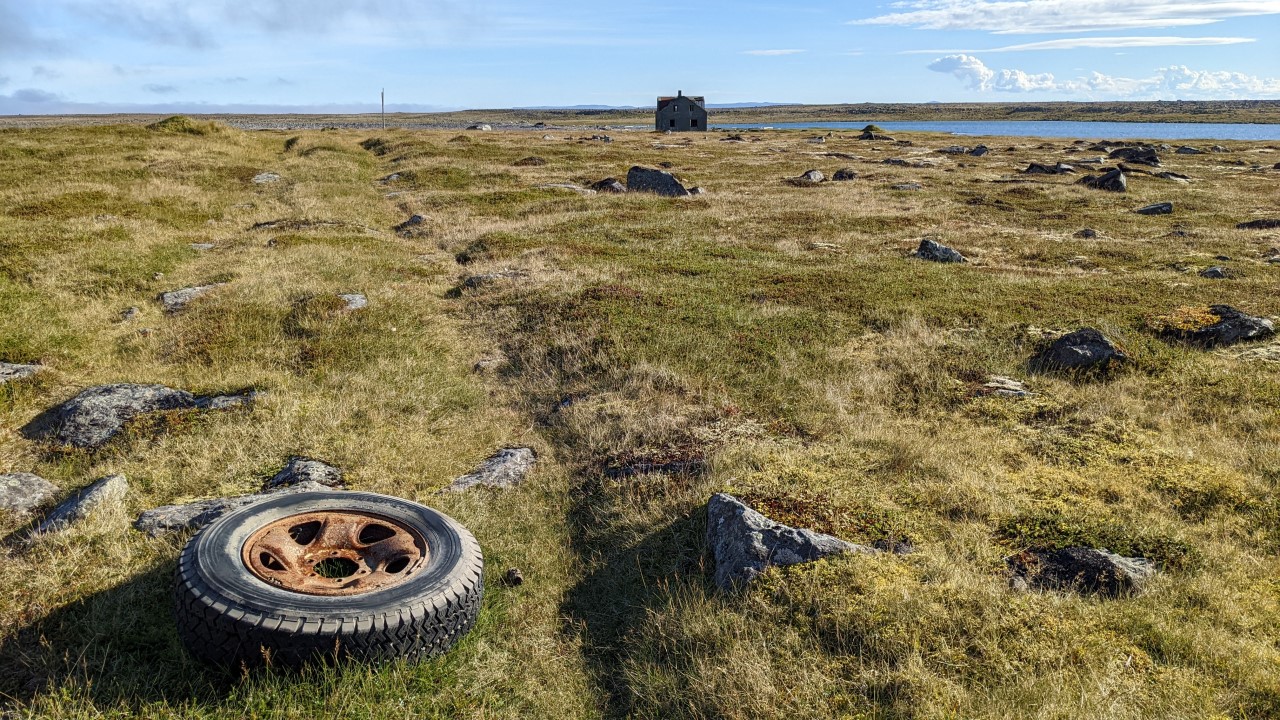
[1049, 128]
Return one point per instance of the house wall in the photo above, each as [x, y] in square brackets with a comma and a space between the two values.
[679, 116]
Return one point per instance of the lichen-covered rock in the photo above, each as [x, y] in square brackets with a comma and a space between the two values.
[937, 252]
[266, 178]
[304, 469]
[97, 414]
[354, 301]
[1002, 386]
[504, 469]
[1080, 350]
[660, 182]
[108, 491]
[1232, 327]
[14, 371]
[23, 492]
[226, 402]
[193, 516]
[175, 300]
[1084, 570]
[744, 543]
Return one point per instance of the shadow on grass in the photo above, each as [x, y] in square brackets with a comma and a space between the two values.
[627, 576]
[117, 649]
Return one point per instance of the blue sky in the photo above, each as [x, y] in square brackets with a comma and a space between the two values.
[335, 55]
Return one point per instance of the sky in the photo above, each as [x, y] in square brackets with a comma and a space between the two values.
[85, 56]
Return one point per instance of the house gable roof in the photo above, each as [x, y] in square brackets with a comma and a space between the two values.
[665, 101]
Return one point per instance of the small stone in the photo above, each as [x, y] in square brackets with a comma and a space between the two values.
[14, 371]
[393, 177]
[354, 301]
[513, 577]
[226, 402]
[660, 182]
[979, 151]
[202, 246]
[1002, 386]
[845, 174]
[129, 313]
[954, 150]
[744, 543]
[1087, 234]
[937, 252]
[176, 300]
[505, 469]
[906, 186]
[531, 161]
[107, 491]
[1164, 208]
[473, 282]
[566, 186]
[808, 178]
[696, 190]
[482, 127]
[1217, 272]
[413, 222]
[23, 492]
[489, 364]
[609, 185]
[301, 469]
[266, 177]
[1218, 149]
[1083, 570]
[1080, 350]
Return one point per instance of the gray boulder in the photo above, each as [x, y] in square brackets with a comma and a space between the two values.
[744, 543]
[1164, 208]
[1266, 224]
[845, 174]
[97, 414]
[937, 252]
[660, 182]
[1232, 327]
[1036, 168]
[107, 491]
[954, 150]
[175, 300]
[1080, 350]
[409, 225]
[24, 492]
[1111, 181]
[1188, 150]
[1217, 272]
[193, 516]
[504, 469]
[808, 178]
[979, 151]
[12, 371]
[1140, 155]
[609, 185]
[303, 470]
[1084, 570]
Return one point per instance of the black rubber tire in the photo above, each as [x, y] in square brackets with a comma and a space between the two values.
[227, 616]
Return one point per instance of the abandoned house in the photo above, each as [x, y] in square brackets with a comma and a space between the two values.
[680, 113]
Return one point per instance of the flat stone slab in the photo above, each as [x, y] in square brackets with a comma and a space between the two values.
[265, 178]
[565, 186]
[23, 492]
[171, 519]
[108, 491]
[1079, 569]
[745, 543]
[1164, 208]
[1233, 327]
[1264, 224]
[301, 469]
[175, 300]
[1080, 350]
[504, 469]
[1002, 386]
[14, 371]
[354, 301]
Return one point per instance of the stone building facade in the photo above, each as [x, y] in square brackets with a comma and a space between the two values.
[681, 114]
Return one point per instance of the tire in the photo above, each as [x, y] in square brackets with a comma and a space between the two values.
[229, 616]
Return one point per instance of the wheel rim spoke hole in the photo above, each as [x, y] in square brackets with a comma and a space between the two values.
[338, 568]
[396, 566]
[375, 533]
[305, 533]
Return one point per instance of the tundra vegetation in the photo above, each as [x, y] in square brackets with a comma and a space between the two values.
[781, 343]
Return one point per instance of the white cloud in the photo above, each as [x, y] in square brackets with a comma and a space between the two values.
[1098, 42]
[771, 53]
[1063, 16]
[1174, 82]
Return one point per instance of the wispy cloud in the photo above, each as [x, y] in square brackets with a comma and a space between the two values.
[1064, 16]
[771, 53]
[160, 89]
[1177, 81]
[1097, 42]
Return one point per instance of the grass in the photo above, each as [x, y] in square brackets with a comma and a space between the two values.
[767, 340]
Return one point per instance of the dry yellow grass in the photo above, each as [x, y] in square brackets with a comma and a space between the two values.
[780, 333]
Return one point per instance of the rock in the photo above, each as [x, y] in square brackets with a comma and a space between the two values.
[1002, 386]
[697, 191]
[901, 546]
[472, 282]
[1080, 350]
[202, 246]
[937, 252]
[1139, 155]
[193, 516]
[513, 577]
[176, 300]
[1041, 169]
[23, 492]
[107, 491]
[1086, 234]
[817, 140]
[14, 371]
[505, 469]
[1266, 224]
[609, 185]
[354, 301]
[1084, 570]
[129, 313]
[413, 222]
[1176, 177]
[226, 402]
[744, 543]
[303, 469]
[808, 179]
[868, 135]
[979, 151]
[489, 363]
[393, 177]
[954, 150]
[905, 186]
[1218, 149]
[482, 127]
[97, 414]
[1231, 328]
[565, 186]
[265, 178]
[661, 182]
[1164, 208]
[1188, 150]
[1111, 181]
[844, 174]
[531, 161]
[1217, 272]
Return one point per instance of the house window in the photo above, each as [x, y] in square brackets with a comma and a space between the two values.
[693, 122]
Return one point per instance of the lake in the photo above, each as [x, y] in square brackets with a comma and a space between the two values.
[1049, 128]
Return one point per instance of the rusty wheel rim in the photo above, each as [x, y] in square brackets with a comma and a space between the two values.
[335, 553]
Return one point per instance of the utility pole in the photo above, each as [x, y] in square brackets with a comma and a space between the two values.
[384, 108]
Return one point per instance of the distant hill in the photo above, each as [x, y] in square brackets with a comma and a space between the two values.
[711, 106]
